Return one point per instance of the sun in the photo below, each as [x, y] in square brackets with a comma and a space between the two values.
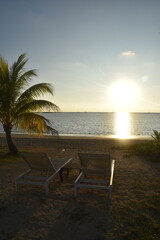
[123, 94]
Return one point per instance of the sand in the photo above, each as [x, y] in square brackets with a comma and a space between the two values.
[30, 214]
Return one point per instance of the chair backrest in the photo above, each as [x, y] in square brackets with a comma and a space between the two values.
[95, 163]
[38, 161]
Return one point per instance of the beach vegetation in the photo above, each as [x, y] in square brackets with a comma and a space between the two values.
[156, 137]
[19, 102]
[149, 150]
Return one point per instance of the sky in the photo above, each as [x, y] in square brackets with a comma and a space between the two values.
[100, 55]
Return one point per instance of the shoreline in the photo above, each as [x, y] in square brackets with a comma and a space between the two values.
[89, 137]
[26, 141]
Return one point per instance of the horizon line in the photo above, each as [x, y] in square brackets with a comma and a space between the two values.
[97, 112]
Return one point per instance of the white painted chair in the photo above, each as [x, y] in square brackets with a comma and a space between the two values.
[41, 170]
[96, 172]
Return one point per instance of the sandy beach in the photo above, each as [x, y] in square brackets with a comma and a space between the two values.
[30, 214]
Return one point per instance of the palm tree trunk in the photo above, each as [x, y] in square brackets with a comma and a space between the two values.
[12, 147]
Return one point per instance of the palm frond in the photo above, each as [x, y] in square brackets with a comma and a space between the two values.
[4, 86]
[26, 77]
[4, 72]
[18, 65]
[20, 104]
[18, 76]
[20, 82]
[35, 123]
[37, 105]
[156, 135]
[36, 91]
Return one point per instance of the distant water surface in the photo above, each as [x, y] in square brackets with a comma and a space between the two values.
[121, 125]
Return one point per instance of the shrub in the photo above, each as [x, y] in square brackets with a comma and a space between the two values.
[149, 150]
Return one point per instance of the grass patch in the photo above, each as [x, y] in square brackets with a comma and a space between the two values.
[136, 219]
[149, 150]
[127, 155]
[6, 158]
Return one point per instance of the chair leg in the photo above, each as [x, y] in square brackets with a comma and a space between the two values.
[46, 189]
[75, 191]
[110, 194]
[61, 175]
[17, 187]
[68, 171]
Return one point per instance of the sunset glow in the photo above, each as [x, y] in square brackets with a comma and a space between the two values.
[122, 94]
[122, 125]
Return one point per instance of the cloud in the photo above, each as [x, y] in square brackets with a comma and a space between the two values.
[128, 54]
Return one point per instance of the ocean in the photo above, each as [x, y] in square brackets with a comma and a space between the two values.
[119, 124]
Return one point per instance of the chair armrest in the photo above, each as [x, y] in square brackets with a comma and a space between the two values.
[78, 178]
[23, 174]
[112, 171]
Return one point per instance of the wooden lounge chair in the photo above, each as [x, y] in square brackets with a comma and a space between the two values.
[96, 172]
[42, 170]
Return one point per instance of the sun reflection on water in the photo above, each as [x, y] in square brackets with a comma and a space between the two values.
[122, 125]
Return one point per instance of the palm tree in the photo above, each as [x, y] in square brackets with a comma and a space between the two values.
[19, 105]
